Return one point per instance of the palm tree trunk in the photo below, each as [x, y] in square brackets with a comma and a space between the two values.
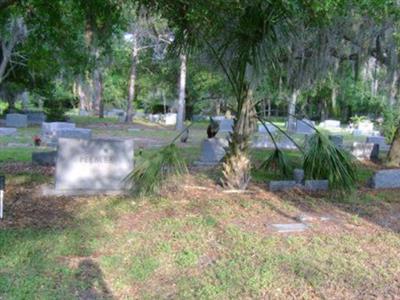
[292, 110]
[237, 165]
[394, 153]
[182, 87]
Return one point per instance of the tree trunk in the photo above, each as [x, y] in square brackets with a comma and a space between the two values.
[98, 92]
[292, 110]
[132, 79]
[83, 94]
[237, 165]
[181, 100]
[269, 107]
[393, 88]
[393, 159]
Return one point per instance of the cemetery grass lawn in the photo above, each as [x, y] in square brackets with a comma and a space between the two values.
[195, 241]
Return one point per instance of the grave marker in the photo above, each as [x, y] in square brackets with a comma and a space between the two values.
[98, 165]
[16, 120]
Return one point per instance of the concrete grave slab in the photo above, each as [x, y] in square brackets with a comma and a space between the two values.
[282, 185]
[7, 131]
[316, 185]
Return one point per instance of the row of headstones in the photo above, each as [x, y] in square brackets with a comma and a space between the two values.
[166, 119]
[382, 179]
[26, 119]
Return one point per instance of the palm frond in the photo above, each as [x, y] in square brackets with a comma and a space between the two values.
[323, 160]
[150, 173]
[278, 162]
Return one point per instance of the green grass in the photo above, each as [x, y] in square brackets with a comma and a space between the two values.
[191, 249]
[16, 154]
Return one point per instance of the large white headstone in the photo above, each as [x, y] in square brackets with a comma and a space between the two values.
[98, 165]
[170, 119]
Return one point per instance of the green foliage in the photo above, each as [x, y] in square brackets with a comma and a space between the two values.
[323, 160]
[278, 162]
[150, 173]
[390, 124]
[55, 109]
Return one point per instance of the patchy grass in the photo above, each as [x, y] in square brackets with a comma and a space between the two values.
[17, 154]
[195, 241]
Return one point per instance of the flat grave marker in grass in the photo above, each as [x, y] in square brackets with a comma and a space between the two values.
[291, 227]
[386, 179]
[7, 131]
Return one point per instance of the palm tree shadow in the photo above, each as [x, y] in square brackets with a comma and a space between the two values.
[92, 284]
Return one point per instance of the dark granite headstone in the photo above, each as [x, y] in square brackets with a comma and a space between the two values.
[44, 158]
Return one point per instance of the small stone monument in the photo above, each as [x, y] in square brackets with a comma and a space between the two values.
[212, 151]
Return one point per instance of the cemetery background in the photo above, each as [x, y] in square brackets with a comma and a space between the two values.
[281, 238]
[126, 243]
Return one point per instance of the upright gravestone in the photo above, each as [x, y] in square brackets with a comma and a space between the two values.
[50, 130]
[35, 117]
[330, 124]
[305, 126]
[170, 119]
[380, 140]
[262, 129]
[365, 151]
[212, 151]
[337, 140]
[93, 166]
[16, 120]
[226, 125]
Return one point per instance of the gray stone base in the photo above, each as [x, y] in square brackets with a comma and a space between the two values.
[309, 185]
[48, 190]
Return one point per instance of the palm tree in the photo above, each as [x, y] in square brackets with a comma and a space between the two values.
[242, 38]
[246, 47]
